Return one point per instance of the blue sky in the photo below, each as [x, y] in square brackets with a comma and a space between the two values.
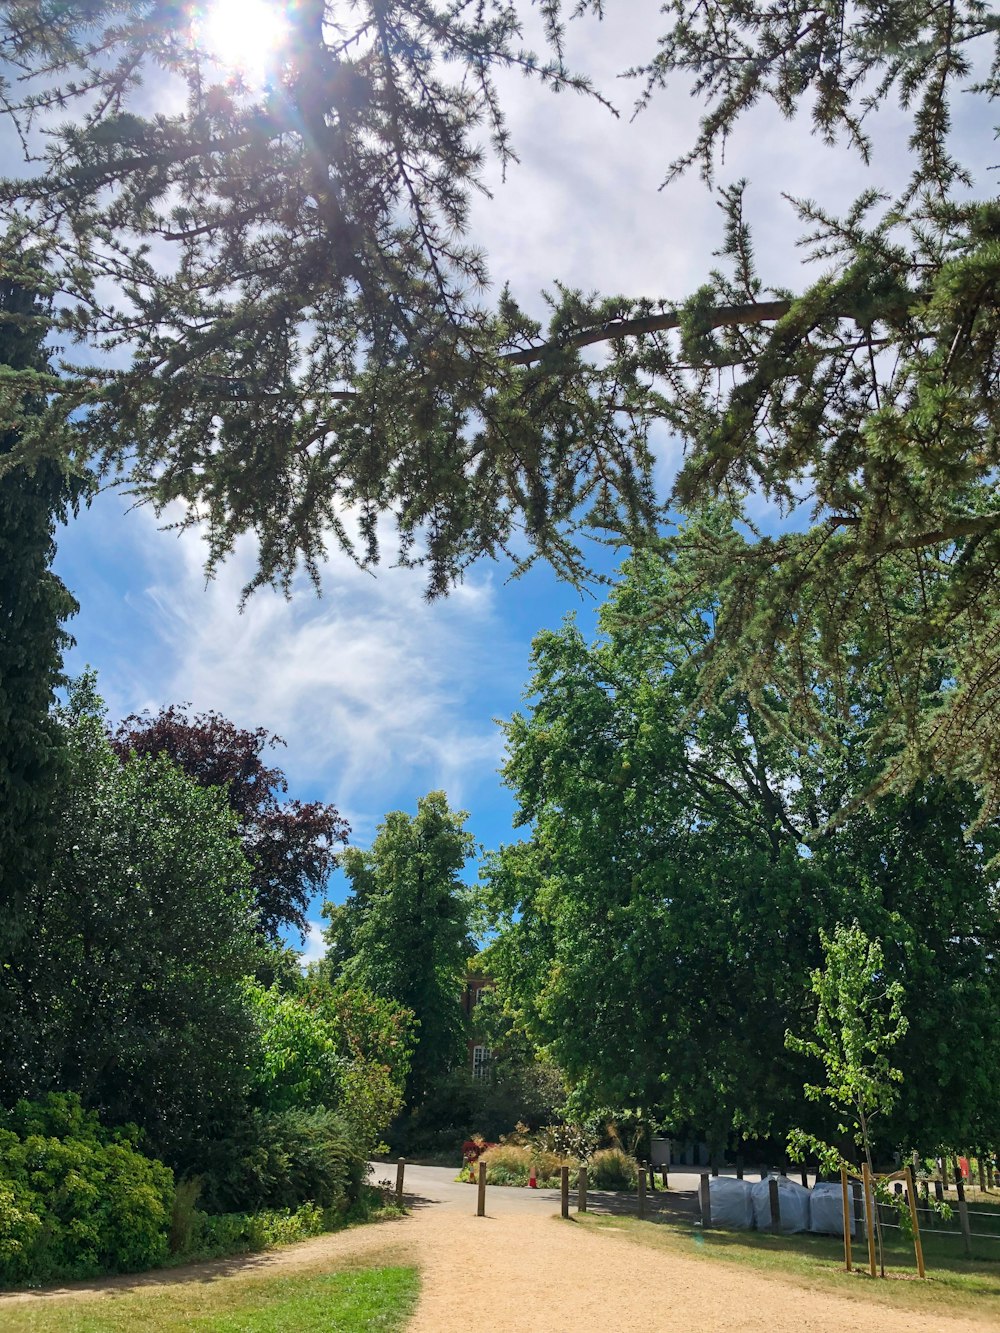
[380, 696]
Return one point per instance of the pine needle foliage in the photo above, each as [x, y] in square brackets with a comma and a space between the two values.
[288, 327]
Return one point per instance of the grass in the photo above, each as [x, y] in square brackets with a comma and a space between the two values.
[351, 1301]
[954, 1284]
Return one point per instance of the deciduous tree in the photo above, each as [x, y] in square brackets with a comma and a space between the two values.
[407, 921]
[131, 989]
[659, 923]
[290, 845]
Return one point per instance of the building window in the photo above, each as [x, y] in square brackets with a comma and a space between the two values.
[480, 1061]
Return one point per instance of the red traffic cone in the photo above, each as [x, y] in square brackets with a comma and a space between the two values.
[532, 1180]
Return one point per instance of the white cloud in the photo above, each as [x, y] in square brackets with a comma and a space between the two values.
[314, 947]
[372, 688]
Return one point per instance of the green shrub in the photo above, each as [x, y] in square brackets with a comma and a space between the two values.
[214, 1236]
[612, 1169]
[282, 1161]
[78, 1202]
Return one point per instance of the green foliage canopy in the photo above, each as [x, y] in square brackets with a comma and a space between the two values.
[658, 927]
[132, 990]
[286, 280]
[33, 606]
[403, 933]
[345, 1050]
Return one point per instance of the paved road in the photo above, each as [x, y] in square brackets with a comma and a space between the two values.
[436, 1185]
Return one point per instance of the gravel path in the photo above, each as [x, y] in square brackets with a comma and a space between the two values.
[522, 1269]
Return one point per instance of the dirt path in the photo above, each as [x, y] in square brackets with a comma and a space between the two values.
[524, 1270]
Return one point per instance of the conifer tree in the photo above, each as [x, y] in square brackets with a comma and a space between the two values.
[285, 280]
[34, 603]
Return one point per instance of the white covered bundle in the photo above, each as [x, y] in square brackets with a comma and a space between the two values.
[793, 1203]
[826, 1209]
[732, 1206]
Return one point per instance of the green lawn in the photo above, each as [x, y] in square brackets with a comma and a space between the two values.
[351, 1301]
[953, 1284]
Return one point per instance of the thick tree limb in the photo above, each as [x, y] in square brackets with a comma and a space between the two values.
[754, 312]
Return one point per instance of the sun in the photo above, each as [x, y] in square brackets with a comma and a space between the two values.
[245, 35]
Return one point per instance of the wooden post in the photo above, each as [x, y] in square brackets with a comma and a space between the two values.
[481, 1208]
[641, 1183]
[715, 1165]
[666, 1182]
[705, 1196]
[804, 1177]
[847, 1219]
[869, 1217]
[739, 1166]
[918, 1248]
[939, 1191]
[564, 1190]
[775, 1202]
[400, 1168]
[652, 1178]
[963, 1212]
[581, 1190]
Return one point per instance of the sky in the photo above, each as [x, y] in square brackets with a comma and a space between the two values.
[380, 696]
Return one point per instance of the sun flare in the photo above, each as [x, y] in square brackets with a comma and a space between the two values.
[245, 35]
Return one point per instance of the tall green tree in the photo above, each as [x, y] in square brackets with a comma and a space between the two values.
[34, 604]
[659, 923]
[285, 277]
[131, 989]
[403, 933]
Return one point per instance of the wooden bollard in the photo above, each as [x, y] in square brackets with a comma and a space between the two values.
[705, 1198]
[939, 1191]
[775, 1202]
[911, 1194]
[804, 1177]
[564, 1190]
[652, 1178]
[869, 1215]
[641, 1183]
[400, 1168]
[581, 1191]
[739, 1166]
[666, 1181]
[847, 1219]
[963, 1212]
[481, 1208]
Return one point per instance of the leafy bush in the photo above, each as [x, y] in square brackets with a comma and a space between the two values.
[284, 1160]
[214, 1236]
[612, 1169]
[78, 1202]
